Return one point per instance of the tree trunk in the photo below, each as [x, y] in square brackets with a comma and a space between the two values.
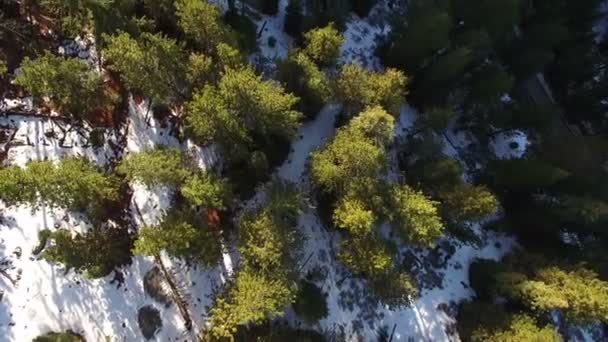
[177, 297]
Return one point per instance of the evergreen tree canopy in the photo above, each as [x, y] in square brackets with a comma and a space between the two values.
[354, 152]
[415, 216]
[240, 107]
[358, 88]
[69, 83]
[96, 252]
[151, 63]
[181, 235]
[73, 183]
[202, 22]
[161, 166]
[323, 44]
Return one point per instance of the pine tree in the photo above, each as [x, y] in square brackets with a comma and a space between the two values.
[351, 214]
[520, 328]
[68, 83]
[97, 252]
[152, 63]
[73, 183]
[240, 107]
[268, 241]
[181, 234]
[579, 293]
[202, 22]
[358, 88]
[301, 76]
[323, 44]
[206, 190]
[161, 166]
[365, 255]
[490, 83]
[252, 299]
[426, 33]
[415, 217]
[467, 203]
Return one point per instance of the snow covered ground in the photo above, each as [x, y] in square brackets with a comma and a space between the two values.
[38, 138]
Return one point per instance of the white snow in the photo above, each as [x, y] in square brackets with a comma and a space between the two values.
[509, 145]
[274, 28]
[19, 104]
[361, 37]
[48, 299]
[39, 138]
[308, 137]
[144, 131]
[424, 320]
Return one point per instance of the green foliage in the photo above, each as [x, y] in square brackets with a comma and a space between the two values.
[201, 21]
[209, 120]
[447, 68]
[434, 175]
[68, 336]
[264, 103]
[524, 175]
[356, 152]
[301, 76]
[73, 183]
[181, 234]
[395, 289]
[358, 88]
[583, 210]
[520, 328]
[245, 30]
[206, 190]
[252, 299]
[268, 238]
[74, 16]
[482, 321]
[151, 63]
[427, 32]
[241, 106]
[375, 124]
[475, 315]
[96, 252]
[69, 83]
[436, 119]
[365, 255]
[323, 44]
[228, 57]
[490, 83]
[467, 202]
[415, 217]
[161, 166]
[320, 13]
[199, 70]
[579, 293]
[495, 16]
[351, 214]
[310, 304]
